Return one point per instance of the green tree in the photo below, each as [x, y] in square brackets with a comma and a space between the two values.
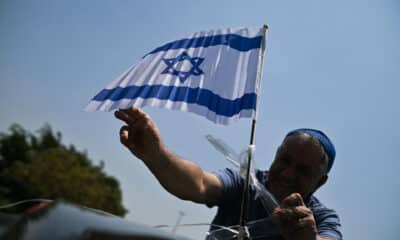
[40, 166]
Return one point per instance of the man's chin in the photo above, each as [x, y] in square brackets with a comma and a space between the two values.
[281, 195]
[276, 192]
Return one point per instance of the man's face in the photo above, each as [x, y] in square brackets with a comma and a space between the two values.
[299, 167]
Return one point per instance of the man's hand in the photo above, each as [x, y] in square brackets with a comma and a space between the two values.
[178, 176]
[140, 135]
[295, 220]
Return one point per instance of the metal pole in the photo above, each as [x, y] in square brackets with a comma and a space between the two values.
[246, 190]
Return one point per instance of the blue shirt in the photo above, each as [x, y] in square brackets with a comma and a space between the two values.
[229, 205]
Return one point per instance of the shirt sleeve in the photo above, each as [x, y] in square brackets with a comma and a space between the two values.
[232, 185]
[328, 223]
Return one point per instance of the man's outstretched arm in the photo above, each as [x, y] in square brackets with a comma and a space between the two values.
[178, 176]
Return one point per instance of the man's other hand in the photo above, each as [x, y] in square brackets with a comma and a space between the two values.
[295, 220]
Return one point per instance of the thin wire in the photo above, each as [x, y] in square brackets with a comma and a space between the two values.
[201, 224]
[25, 201]
[229, 228]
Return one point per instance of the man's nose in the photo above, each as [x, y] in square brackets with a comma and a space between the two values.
[289, 173]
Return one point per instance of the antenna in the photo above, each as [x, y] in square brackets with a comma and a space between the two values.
[178, 221]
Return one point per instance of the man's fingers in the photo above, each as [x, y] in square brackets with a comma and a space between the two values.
[302, 211]
[124, 134]
[124, 117]
[306, 222]
[124, 131]
[293, 200]
[294, 221]
[131, 116]
[294, 218]
[292, 215]
[134, 112]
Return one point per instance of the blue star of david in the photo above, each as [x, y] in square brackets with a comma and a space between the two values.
[194, 70]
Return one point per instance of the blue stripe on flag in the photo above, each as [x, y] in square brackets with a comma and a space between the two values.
[234, 41]
[200, 96]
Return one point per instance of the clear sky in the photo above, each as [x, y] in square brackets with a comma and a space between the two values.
[332, 65]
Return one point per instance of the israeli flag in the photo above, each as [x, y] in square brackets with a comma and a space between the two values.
[210, 73]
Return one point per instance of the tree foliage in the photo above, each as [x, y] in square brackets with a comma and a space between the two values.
[41, 166]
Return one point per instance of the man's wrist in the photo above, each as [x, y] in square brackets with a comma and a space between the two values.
[160, 155]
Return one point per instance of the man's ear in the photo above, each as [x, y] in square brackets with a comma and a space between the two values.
[322, 181]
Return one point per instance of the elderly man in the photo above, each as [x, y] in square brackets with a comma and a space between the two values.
[299, 169]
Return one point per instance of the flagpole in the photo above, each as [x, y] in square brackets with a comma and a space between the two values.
[243, 231]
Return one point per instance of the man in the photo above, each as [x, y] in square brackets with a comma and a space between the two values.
[299, 169]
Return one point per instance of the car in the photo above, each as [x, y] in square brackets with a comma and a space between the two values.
[59, 220]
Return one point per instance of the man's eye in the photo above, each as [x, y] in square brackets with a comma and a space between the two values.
[285, 160]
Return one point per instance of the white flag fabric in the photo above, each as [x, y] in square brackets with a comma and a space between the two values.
[210, 73]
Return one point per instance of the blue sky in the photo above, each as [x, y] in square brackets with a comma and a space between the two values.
[332, 65]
